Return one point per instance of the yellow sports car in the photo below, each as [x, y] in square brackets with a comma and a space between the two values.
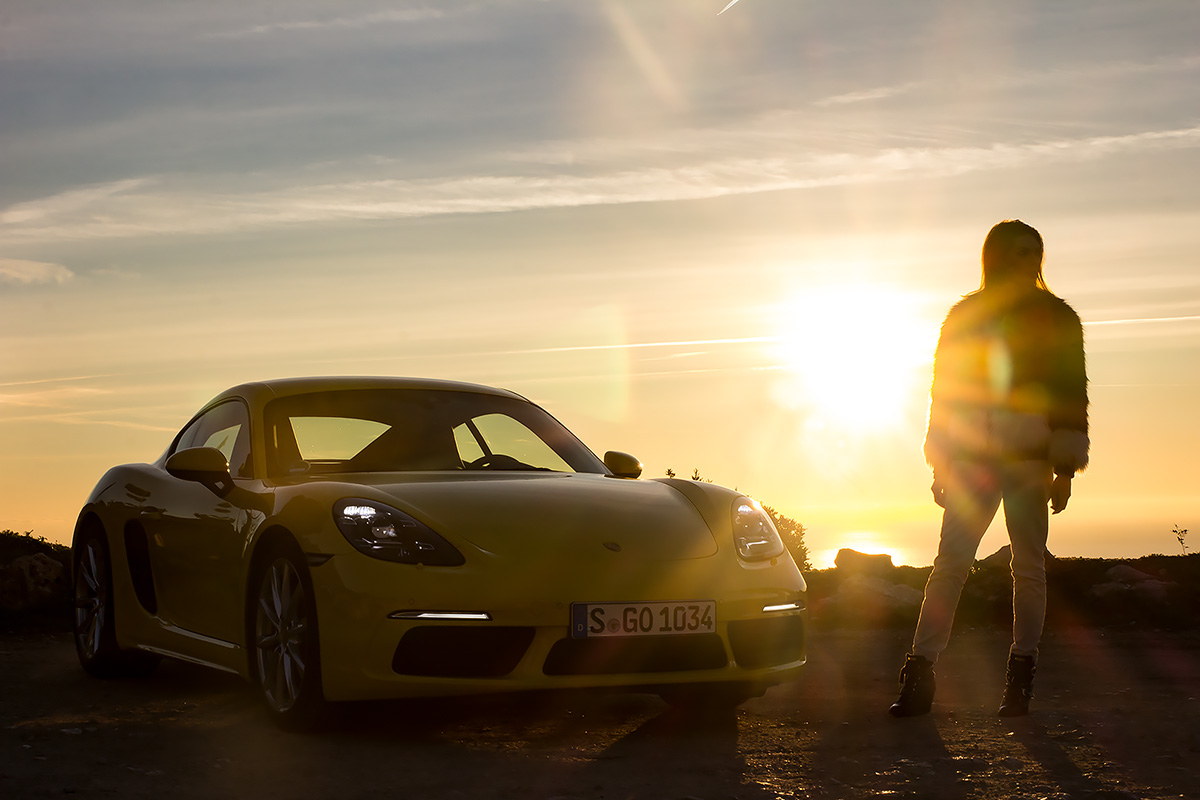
[337, 539]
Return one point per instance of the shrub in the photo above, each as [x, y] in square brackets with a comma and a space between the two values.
[13, 545]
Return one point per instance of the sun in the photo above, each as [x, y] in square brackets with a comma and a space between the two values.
[853, 355]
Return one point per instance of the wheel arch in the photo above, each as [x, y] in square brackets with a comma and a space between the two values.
[108, 659]
[88, 521]
[272, 540]
[310, 709]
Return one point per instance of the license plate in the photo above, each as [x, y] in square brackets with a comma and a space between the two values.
[642, 619]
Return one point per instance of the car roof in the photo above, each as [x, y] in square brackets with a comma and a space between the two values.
[258, 393]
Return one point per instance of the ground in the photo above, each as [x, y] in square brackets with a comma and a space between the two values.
[1115, 716]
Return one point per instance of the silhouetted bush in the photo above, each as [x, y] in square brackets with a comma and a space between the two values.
[56, 616]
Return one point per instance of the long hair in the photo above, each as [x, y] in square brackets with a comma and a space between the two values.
[998, 247]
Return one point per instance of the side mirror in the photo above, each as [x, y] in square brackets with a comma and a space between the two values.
[204, 465]
[622, 465]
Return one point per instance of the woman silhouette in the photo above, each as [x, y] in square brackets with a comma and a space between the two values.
[1007, 423]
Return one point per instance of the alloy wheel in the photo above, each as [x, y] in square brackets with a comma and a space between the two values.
[91, 598]
[281, 635]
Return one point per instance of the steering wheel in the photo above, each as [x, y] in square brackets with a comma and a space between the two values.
[497, 461]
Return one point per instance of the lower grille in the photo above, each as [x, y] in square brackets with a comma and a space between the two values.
[635, 654]
[766, 642]
[448, 651]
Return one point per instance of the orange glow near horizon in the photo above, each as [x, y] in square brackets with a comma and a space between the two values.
[869, 542]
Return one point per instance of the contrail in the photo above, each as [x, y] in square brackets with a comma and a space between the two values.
[1143, 320]
[638, 345]
[57, 380]
[732, 3]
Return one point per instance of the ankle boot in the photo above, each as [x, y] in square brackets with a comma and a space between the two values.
[1018, 686]
[916, 688]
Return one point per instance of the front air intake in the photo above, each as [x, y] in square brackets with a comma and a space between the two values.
[454, 651]
[767, 642]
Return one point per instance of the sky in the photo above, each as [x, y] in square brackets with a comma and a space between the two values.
[719, 240]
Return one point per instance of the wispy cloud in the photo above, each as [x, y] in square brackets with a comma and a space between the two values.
[141, 207]
[1107, 70]
[638, 345]
[41, 381]
[70, 401]
[86, 418]
[60, 397]
[392, 17]
[82, 199]
[1072, 75]
[865, 95]
[25, 273]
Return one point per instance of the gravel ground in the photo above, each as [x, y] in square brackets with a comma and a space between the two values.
[1116, 715]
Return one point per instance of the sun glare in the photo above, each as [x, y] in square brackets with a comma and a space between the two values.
[853, 354]
[868, 542]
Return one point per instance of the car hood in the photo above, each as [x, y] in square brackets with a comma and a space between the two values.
[557, 514]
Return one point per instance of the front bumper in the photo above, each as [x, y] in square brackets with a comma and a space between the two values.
[524, 642]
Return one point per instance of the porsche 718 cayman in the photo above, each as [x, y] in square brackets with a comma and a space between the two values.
[335, 539]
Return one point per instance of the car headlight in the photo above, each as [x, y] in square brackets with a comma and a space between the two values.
[753, 532]
[381, 531]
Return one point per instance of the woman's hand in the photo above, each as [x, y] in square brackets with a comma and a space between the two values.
[939, 492]
[1060, 493]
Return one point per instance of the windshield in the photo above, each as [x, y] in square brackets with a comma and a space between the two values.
[403, 430]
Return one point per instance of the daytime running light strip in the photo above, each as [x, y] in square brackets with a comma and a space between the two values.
[781, 607]
[471, 616]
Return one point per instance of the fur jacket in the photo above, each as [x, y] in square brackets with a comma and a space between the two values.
[1009, 383]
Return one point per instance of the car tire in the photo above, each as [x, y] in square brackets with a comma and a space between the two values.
[95, 618]
[285, 652]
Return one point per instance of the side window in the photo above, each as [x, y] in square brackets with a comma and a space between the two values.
[468, 445]
[223, 440]
[226, 428]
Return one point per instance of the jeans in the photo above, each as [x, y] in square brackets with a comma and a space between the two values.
[973, 493]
